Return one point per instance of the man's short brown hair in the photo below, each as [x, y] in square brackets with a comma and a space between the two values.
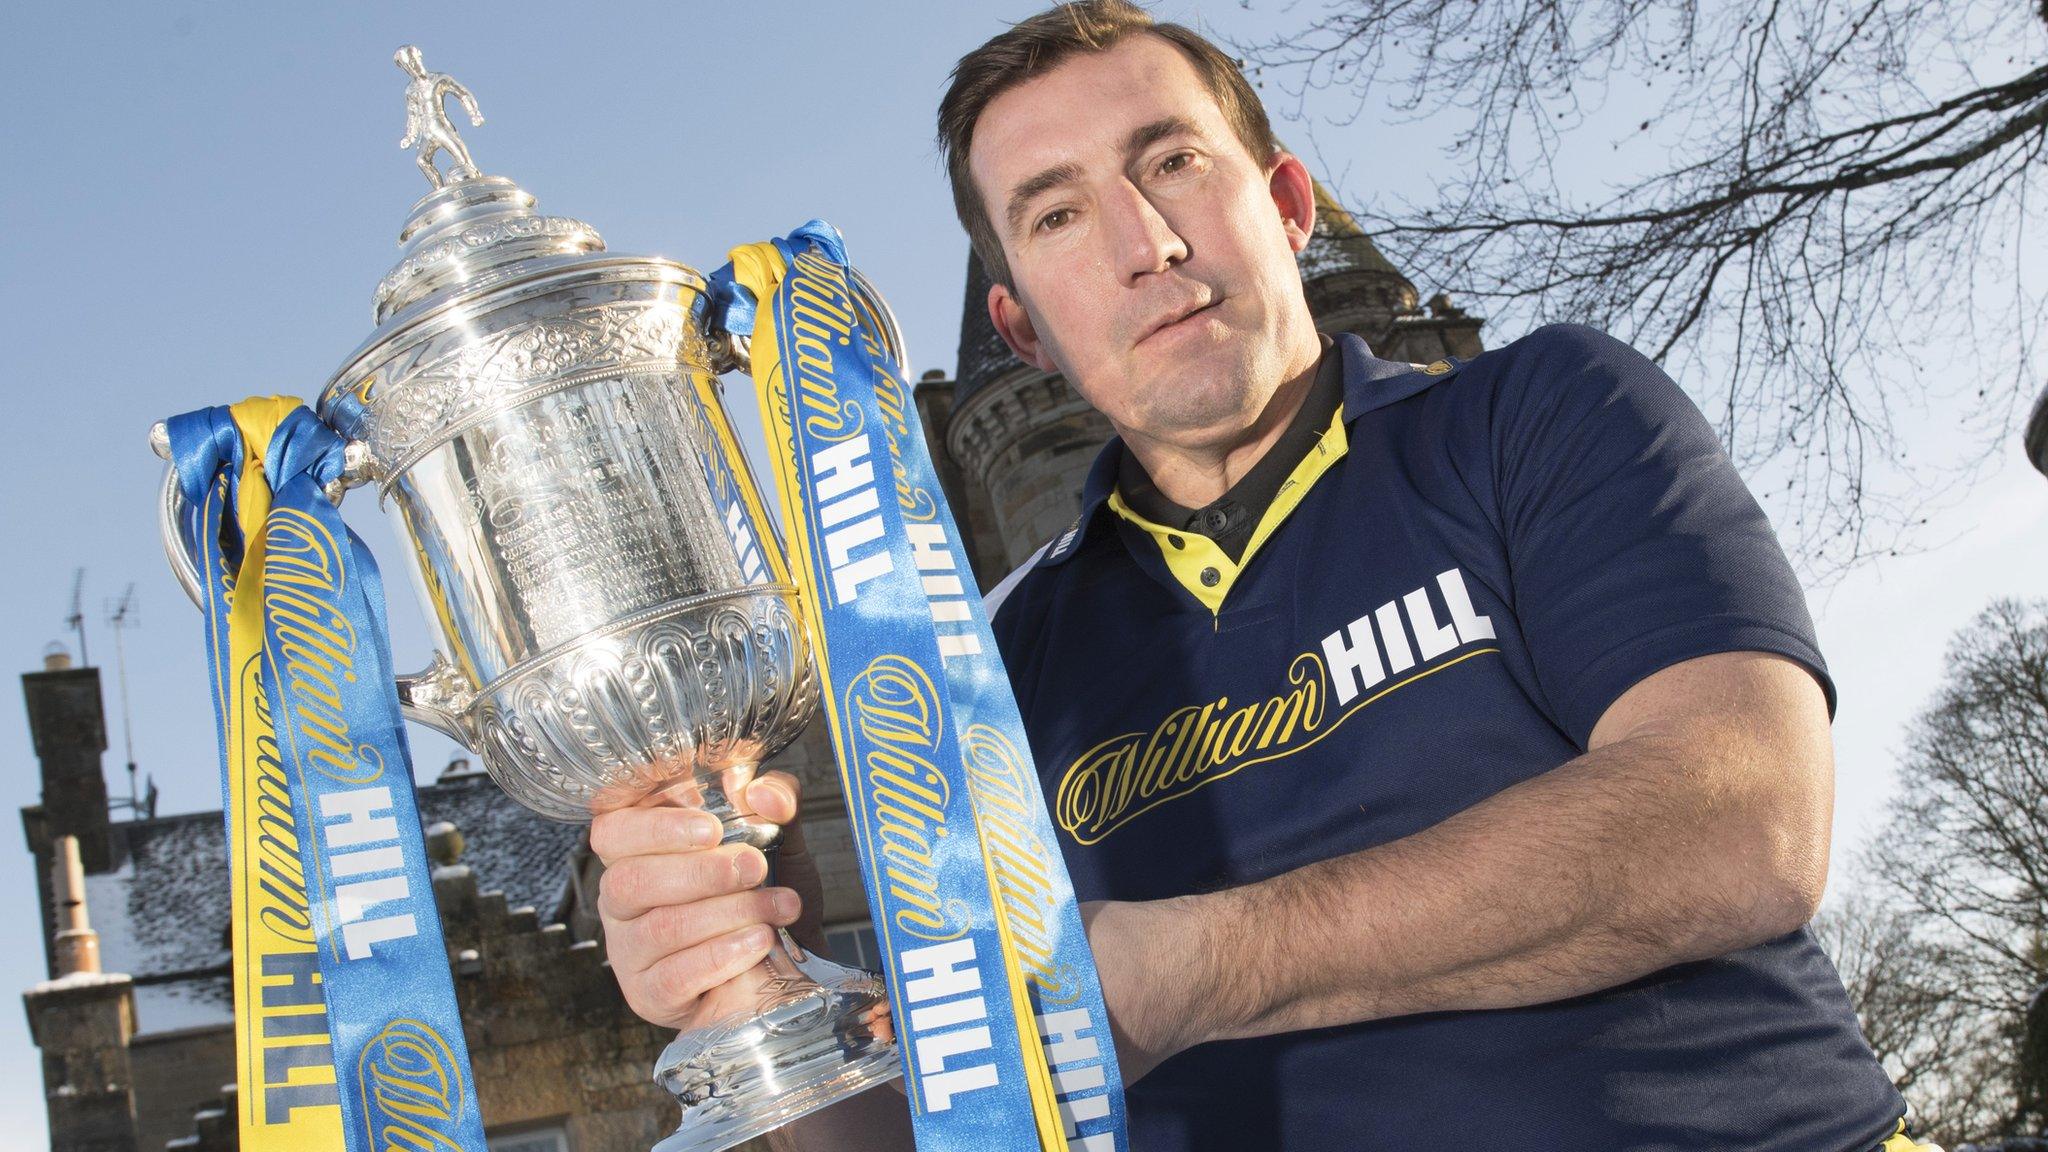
[1041, 43]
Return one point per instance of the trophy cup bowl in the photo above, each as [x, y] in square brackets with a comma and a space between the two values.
[533, 410]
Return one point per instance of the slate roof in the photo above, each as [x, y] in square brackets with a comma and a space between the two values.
[162, 913]
[510, 849]
[983, 355]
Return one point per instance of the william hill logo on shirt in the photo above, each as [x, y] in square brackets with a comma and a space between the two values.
[1381, 651]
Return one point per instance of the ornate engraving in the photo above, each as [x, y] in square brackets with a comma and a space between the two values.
[478, 237]
[622, 712]
[430, 400]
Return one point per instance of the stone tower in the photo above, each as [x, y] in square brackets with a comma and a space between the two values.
[1013, 444]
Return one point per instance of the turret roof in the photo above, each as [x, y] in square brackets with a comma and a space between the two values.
[1340, 245]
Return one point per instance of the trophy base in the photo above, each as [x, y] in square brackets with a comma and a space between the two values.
[809, 1042]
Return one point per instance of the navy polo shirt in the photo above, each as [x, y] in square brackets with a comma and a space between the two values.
[1472, 563]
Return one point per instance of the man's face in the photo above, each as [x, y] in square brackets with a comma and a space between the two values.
[1151, 258]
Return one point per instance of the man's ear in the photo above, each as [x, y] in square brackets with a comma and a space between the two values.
[1014, 325]
[1294, 194]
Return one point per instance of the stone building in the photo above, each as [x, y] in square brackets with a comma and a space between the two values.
[137, 1051]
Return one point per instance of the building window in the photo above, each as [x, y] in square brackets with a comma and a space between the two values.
[854, 945]
[528, 1140]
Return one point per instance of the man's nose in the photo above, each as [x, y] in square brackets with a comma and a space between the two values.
[1145, 241]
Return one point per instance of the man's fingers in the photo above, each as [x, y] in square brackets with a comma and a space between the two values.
[636, 884]
[668, 989]
[654, 831]
[636, 945]
[651, 832]
[774, 797]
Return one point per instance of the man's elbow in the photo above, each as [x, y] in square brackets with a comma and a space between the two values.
[1749, 733]
[1791, 897]
[1786, 872]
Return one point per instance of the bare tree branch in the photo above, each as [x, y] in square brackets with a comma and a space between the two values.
[1843, 184]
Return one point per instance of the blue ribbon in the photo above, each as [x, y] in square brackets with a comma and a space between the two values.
[400, 1061]
[931, 746]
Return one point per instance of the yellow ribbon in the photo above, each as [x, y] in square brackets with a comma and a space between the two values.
[284, 1060]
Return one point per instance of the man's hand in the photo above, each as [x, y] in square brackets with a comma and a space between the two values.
[1696, 825]
[684, 915]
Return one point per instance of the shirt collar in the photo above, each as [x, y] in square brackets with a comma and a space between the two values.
[1369, 383]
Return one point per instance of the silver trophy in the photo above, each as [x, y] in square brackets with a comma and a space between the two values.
[534, 409]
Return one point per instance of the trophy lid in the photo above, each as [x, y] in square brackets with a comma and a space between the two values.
[472, 230]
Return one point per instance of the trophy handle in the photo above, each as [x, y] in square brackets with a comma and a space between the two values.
[435, 697]
[357, 468]
[170, 509]
[865, 294]
[439, 697]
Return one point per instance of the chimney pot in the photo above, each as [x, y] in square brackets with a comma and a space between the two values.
[77, 945]
[444, 843]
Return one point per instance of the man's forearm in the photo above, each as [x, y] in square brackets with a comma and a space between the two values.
[1624, 861]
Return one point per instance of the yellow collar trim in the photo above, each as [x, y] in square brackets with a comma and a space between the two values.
[1197, 555]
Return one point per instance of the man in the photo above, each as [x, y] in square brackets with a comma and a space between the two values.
[1443, 751]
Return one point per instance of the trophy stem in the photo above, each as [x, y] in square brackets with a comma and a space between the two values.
[799, 1033]
[741, 827]
[789, 1036]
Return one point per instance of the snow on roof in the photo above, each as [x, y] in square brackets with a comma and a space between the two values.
[162, 914]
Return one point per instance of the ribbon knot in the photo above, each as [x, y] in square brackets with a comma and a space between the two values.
[303, 445]
[202, 442]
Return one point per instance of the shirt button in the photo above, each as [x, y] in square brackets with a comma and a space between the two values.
[1211, 577]
[1216, 519]
[1176, 541]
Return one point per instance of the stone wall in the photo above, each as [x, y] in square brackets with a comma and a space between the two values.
[1027, 439]
[550, 1036]
[82, 1022]
[178, 1074]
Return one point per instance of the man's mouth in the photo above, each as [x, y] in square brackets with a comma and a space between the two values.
[1178, 318]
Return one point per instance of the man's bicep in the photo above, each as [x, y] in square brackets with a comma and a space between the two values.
[1634, 545]
[1743, 738]
[1762, 695]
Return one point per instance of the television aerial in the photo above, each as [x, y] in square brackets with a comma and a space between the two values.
[123, 615]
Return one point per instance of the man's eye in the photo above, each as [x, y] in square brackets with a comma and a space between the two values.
[1057, 218]
[1176, 162]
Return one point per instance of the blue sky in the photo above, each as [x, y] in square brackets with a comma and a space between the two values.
[198, 201]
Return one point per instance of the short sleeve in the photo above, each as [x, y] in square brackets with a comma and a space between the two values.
[1632, 543]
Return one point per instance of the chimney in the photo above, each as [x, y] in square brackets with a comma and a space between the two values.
[83, 1020]
[78, 946]
[69, 730]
